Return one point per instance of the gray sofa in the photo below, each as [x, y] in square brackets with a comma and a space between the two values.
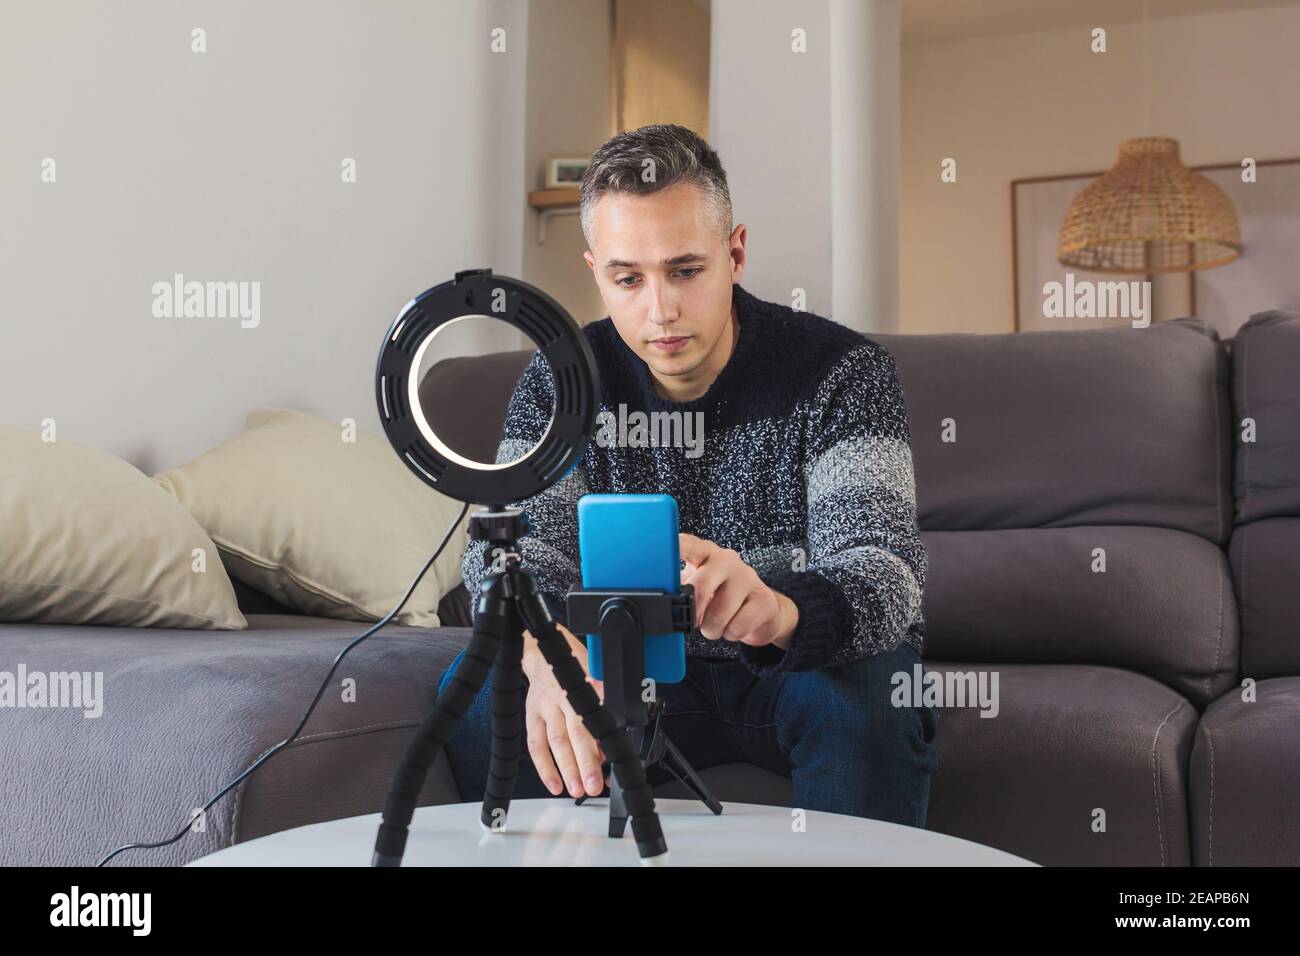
[1121, 736]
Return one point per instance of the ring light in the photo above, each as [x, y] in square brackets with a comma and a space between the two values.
[479, 293]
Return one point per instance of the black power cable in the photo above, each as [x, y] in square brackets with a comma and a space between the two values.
[306, 716]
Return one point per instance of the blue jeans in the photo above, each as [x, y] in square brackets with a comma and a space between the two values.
[833, 731]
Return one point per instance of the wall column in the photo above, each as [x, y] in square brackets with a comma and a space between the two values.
[864, 168]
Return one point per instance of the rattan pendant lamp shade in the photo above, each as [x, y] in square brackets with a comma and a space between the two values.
[1149, 214]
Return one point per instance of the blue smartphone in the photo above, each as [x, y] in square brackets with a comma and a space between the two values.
[630, 541]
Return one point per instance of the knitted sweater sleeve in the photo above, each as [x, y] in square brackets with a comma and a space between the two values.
[550, 548]
[860, 592]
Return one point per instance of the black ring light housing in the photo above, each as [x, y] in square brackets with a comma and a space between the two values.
[567, 351]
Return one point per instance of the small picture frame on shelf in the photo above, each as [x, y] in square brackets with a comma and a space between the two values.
[563, 173]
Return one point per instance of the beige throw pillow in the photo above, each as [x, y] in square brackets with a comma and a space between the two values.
[86, 538]
[332, 527]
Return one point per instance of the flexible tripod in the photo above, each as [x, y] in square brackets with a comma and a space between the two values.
[622, 619]
[507, 603]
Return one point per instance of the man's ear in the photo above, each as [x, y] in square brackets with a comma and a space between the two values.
[591, 261]
[736, 251]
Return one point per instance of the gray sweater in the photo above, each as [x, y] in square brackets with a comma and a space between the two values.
[805, 470]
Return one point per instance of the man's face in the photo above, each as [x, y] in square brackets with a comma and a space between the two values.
[663, 273]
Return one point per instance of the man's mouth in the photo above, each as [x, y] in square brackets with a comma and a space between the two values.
[671, 344]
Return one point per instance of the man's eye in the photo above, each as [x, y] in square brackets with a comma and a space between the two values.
[693, 272]
[620, 281]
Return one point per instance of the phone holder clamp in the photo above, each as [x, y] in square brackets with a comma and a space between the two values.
[622, 619]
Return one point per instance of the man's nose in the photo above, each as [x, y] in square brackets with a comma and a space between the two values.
[663, 310]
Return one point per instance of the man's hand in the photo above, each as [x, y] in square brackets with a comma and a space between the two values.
[558, 741]
[731, 600]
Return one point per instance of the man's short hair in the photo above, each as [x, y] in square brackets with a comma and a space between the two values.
[646, 160]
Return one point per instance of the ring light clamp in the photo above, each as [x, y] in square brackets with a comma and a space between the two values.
[477, 292]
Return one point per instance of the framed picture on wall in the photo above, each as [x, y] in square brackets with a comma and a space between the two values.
[561, 172]
[1267, 273]
[1038, 207]
[1265, 276]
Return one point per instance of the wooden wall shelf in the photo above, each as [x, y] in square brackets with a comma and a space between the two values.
[550, 203]
[553, 198]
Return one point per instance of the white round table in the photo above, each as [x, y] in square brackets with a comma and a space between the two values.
[556, 832]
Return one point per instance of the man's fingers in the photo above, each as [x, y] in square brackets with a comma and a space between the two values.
[751, 618]
[557, 736]
[563, 750]
[706, 586]
[540, 752]
[587, 754]
[692, 549]
[586, 747]
[727, 600]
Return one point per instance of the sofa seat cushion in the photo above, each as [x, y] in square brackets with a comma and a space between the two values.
[1245, 778]
[1067, 745]
[186, 711]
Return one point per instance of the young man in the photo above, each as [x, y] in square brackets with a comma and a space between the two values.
[798, 517]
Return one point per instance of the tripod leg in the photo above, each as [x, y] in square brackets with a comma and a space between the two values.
[618, 812]
[679, 767]
[624, 759]
[507, 731]
[429, 740]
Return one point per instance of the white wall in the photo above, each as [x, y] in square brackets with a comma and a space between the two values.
[1041, 104]
[568, 115]
[225, 165]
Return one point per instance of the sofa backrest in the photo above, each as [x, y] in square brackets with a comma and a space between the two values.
[1114, 426]
[1074, 492]
[1265, 547]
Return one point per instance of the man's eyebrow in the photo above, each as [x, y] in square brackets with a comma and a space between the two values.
[684, 258]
